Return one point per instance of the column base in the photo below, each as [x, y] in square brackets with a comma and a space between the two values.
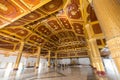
[37, 67]
[15, 69]
[48, 66]
[93, 67]
[101, 73]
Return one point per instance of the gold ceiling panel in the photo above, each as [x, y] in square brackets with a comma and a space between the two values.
[53, 6]
[50, 46]
[11, 10]
[42, 29]
[6, 45]
[17, 32]
[54, 25]
[32, 16]
[78, 28]
[65, 22]
[54, 37]
[29, 49]
[18, 23]
[96, 29]
[31, 3]
[63, 34]
[91, 17]
[7, 39]
[35, 39]
[73, 10]
[29, 18]
[71, 34]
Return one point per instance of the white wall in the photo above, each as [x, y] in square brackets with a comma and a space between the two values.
[11, 59]
[43, 63]
[84, 61]
[5, 60]
[25, 61]
[30, 61]
[64, 61]
[111, 69]
[79, 61]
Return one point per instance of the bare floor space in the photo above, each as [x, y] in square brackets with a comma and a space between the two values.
[67, 73]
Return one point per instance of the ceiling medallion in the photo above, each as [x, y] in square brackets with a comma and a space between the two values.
[31, 16]
[55, 27]
[73, 12]
[34, 38]
[37, 39]
[22, 32]
[3, 7]
[51, 6]
[77, 26]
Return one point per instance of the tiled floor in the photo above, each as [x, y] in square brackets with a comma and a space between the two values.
[67, 73]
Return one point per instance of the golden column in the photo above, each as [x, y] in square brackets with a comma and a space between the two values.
[108, 14]
[89, 33]
[55, 60]
[94, 53]
[38, 57]
[49, 52]
[91, 59]
[19, 56]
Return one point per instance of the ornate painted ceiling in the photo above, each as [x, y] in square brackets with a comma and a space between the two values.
[56, 25]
